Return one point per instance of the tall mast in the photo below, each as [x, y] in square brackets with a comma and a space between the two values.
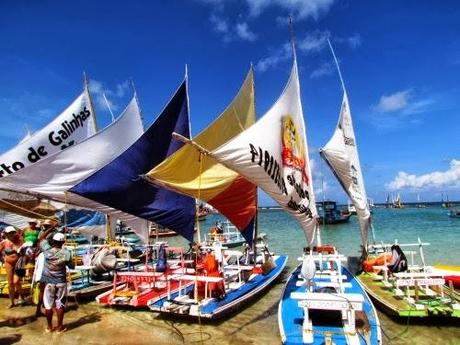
[86, 84]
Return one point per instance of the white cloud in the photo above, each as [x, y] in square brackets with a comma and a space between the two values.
[313, 42]
[404, 102]
[300, 9]
[353, 41]
[244, 33]
[219, 24]
[278, 56]
[98, 89]
[325, 69]
[437, 179]
[231, 32]
[394, 102]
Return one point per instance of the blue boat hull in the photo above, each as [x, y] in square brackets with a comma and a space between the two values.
[234, 299]
[290, 316]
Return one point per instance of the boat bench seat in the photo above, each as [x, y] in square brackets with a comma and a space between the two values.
[418, 275]
[326, 284]
[332, 277]
[192, 278]
[321, 300]
[239, 267]
[347, 303]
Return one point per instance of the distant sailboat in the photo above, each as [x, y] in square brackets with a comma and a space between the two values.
[388, 204]
[397, 203]
[419, 204]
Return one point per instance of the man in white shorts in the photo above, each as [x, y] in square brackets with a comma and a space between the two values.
[54, 278]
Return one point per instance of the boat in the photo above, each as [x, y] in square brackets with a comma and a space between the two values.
[323, 301]
[397, 202]
[454, 213]
[330, 214]
[215, 293]
[419, 204]
[451, 274]
[416, 290]
[136, 288]
[446, 203]
[202, 212]
[388, 204]
[351, 208]
[227, 278]
[228, 235]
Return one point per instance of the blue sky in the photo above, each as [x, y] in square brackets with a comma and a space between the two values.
[400, 61]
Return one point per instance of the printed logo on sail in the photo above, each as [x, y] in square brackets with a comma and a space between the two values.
[293, 153]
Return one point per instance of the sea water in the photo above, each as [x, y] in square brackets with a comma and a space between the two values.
[258, 323]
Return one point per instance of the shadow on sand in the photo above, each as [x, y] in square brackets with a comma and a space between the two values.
[10, 339]
[17, 321]
[91, 318]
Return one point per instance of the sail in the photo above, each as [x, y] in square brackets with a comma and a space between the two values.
[273, 154]
[204, 178]
[118, 184]
[341, 154]
[72, 126]
[53, 176]
[85, 221]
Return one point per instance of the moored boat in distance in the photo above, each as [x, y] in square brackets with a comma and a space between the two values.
[228, 235]
[454, 213]
[330, 214]
[397, 202]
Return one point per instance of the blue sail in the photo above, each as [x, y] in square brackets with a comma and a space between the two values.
[119, 186]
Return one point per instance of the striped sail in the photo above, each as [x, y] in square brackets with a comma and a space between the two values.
[203, 177]
[273, 154]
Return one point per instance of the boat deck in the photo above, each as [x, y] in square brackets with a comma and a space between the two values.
[432, 305]
[326, 323]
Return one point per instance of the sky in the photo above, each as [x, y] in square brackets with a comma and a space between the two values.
[400, 62]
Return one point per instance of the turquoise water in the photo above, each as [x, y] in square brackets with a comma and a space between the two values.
[258, 324]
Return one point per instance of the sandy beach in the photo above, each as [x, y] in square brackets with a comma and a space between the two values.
[89, 323]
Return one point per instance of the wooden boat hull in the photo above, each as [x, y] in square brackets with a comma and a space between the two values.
[90, 291]
[391, 305]
[233, 300]
[290, 316]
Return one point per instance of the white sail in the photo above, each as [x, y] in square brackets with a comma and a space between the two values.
[341, 154]
[73, 125]
[52, 176]
[273, 154]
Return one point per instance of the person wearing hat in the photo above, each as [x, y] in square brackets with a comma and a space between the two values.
[53, 276]
[9, 252]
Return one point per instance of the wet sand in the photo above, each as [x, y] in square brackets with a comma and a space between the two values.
[89, 323]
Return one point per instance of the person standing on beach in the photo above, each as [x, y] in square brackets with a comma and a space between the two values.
[54, 277]
[9, 250]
